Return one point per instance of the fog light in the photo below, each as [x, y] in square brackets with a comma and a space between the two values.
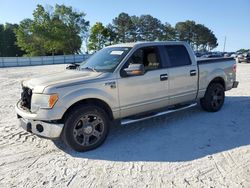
[39, 128]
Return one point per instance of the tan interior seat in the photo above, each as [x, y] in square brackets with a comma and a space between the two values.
[152, 61]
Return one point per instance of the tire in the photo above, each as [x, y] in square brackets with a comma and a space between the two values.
[85, 128]
[214, 98]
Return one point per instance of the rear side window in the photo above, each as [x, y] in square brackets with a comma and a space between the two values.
[178, 55]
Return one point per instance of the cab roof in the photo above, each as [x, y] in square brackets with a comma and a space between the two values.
[148, 43]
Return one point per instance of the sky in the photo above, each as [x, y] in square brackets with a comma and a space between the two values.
[226, 18]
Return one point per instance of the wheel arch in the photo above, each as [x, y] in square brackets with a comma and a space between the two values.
[215, 79]
[218, 80]
[90, 101]
[207, 102]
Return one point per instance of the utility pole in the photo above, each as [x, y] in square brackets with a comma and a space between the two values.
[225, 40]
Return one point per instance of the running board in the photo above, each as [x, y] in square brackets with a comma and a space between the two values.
[129, 121]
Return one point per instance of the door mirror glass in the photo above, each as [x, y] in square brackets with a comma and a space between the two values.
[134, 70]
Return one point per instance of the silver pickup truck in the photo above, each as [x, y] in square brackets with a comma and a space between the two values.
[122, 83]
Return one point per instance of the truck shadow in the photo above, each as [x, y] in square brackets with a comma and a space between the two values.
[181, 136]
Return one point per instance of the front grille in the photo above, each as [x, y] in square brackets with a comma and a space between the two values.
[26, 98]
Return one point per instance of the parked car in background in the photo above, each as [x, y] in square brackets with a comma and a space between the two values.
[229, 54]
[234, 55]
[198, 54]
[243, 58]
[212, 55]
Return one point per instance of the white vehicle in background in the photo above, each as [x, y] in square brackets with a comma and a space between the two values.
[243, 58]
[233, 55]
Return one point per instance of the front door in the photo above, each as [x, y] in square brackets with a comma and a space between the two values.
[146, 92]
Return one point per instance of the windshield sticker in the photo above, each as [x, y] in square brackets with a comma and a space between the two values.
[116, 52]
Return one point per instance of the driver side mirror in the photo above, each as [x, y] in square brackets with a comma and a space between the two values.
[134, 70]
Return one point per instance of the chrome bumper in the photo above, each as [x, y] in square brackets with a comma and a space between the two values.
[44, 129]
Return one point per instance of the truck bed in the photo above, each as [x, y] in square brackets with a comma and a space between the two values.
[213, 60]
[211, 68]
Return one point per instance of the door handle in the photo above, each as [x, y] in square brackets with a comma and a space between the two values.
[192, 72]
[163, 77]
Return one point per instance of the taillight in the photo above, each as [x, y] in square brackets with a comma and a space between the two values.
[234, 67]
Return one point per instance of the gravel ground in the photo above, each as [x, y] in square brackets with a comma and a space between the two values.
[191, 148]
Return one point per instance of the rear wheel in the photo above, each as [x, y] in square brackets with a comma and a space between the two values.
[214, 98]
[85, 128]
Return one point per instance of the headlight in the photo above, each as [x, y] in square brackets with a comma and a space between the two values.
[46, 101]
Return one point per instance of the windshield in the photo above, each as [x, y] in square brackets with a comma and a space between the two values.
[105, 60]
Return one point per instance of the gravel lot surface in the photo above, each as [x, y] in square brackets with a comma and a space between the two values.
[191, 148]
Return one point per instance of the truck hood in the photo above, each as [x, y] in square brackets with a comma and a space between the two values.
[38, 84]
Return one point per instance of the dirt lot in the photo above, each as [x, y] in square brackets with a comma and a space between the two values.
[191, 148]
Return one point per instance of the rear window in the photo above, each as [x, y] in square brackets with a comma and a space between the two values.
[178, 55]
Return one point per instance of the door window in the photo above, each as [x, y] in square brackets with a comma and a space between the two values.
[147, 56]
[178, 55]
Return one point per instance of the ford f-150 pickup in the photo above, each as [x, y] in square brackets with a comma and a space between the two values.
[122, 83]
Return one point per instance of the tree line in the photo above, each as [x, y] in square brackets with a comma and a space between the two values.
[126, 28]
[62, 30]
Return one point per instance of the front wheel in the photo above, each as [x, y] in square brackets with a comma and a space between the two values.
[214, 98]
[85, 128]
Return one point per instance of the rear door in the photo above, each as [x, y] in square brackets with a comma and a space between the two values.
[183, 75]
[146, 92]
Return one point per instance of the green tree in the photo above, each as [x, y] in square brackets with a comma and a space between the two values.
[57, 30]
[8, 47]
[243, 51]
[198, 36]
[112, 36]
[212, 41]
[185, 31]
[123, 27]
[149, 28]
[135, 36]
[204, 39]
[1, 39]
[75, 25]
[99, 37]
[27, 38]
[126, 28]
[168, 32]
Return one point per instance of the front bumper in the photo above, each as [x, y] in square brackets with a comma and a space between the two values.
[30, 122]
[44, 129]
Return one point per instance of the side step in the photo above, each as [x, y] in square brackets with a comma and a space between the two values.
[129, 121]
